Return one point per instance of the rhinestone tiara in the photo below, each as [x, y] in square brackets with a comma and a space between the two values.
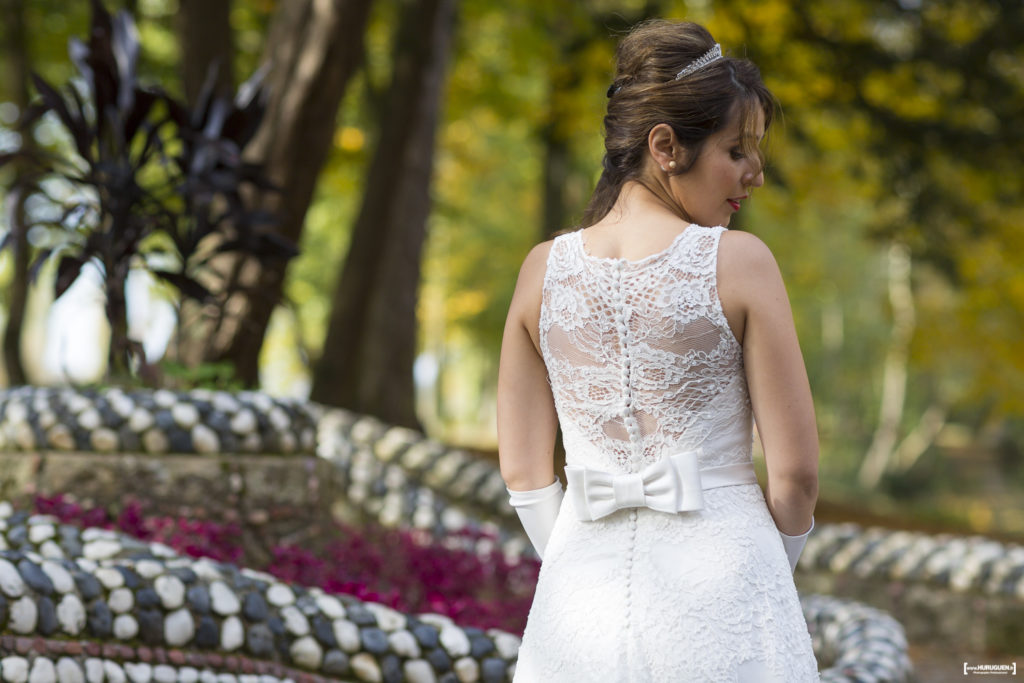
[711, 55]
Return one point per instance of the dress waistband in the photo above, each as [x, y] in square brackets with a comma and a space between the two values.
[673, 484]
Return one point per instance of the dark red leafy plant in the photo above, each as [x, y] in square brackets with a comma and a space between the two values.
[402, 569]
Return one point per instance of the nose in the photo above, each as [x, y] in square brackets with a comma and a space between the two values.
[750, 179]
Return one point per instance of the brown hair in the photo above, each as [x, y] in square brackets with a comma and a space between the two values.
[645, 92]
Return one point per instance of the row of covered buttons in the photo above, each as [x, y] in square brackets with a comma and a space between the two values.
[620, 324]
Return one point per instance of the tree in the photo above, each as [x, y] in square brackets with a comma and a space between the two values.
[313, 49]
[368, 354]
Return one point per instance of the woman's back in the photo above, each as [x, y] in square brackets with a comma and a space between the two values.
[644, 368]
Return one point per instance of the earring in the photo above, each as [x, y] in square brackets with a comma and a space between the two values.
[672, 165]
[663, 169]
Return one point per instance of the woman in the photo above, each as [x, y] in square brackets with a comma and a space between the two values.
[654, 338]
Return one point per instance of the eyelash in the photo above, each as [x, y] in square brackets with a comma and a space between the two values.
[736, 155]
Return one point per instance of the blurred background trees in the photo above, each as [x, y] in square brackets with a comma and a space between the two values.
[423, 146]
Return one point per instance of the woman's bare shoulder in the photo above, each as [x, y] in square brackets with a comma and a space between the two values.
[530, 284]
[745, 260]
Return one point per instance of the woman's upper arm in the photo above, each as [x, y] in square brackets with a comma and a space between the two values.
[527, 421]
[751, 288]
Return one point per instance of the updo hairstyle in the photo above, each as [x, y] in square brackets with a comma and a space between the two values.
[645, 92]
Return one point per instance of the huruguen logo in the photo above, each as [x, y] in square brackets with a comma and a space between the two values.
[990, 669]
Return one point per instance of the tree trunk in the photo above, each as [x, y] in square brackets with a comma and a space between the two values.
[314, 47]
[370, 346]
[205, 36]
[894, 377]
[16, 58]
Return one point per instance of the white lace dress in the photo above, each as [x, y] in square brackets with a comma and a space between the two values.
[643, 364]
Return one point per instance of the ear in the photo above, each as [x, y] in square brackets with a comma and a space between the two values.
[664, 147]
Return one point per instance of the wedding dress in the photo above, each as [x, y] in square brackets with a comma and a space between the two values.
[648, 379]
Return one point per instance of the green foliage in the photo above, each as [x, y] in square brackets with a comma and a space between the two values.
[220, 376]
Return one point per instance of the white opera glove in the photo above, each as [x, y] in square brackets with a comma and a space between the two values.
[537, 510]
[794, 545]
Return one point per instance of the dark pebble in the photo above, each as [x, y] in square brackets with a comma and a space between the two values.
[374, 640]
[359, 615]
[449, 677]
[180, 441]
[276, 626]
[151, 626]
[218, 422]
[323, 631]
[492, 670]
[391, 669]
[439, 659]
[186, 575]
[35, 577]
[207, 633]
[3, 609]
[260, 641]
[335, 663]
[131, 579]
[199, 598]
[426, 635]
[130, 441]
[83, 439]
[108, 416]
[147, 597]
[164, 420]
[89, 586]
[480, 646]
[17, 536]
[47, 623]
[18, 518]
[99, 619]
[254, 607]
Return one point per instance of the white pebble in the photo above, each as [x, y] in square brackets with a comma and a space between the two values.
[164, 674]
[60, 577]
[244, 422]
[23, 614]
[330, 606]
[205, 440]
[307, 653]
[404, 644]
[125, 627]
[71, 614]
[68, 671]
[42, 671]
[347, 635]
[295, 621]
[15, 669]
[171, 591]
[90, 419]
[109, 577]
[94, 670]
[179, 627]
[467, 670]
[139, 672]
[366, 667]
[188, 674]
[11, 582]
[121, 600]
[455, 640]
[185, 414]
[104, 440]
[149, 569]
[140, 420]
[51, 550]
[115, 674]
[223, 599]
[387, 618]
[232, 634]
[37, 533]
[101, 549]
[280, 595]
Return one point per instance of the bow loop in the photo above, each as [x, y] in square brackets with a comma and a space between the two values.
[670, 485]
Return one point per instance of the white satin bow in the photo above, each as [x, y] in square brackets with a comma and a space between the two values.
[671, 485]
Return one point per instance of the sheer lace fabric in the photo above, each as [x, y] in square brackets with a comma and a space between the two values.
[643, 364]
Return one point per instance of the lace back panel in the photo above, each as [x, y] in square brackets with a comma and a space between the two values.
[640, 357]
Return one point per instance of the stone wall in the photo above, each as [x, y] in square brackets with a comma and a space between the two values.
[94, 605]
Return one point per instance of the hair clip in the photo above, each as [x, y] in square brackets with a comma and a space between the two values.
[711, 55]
